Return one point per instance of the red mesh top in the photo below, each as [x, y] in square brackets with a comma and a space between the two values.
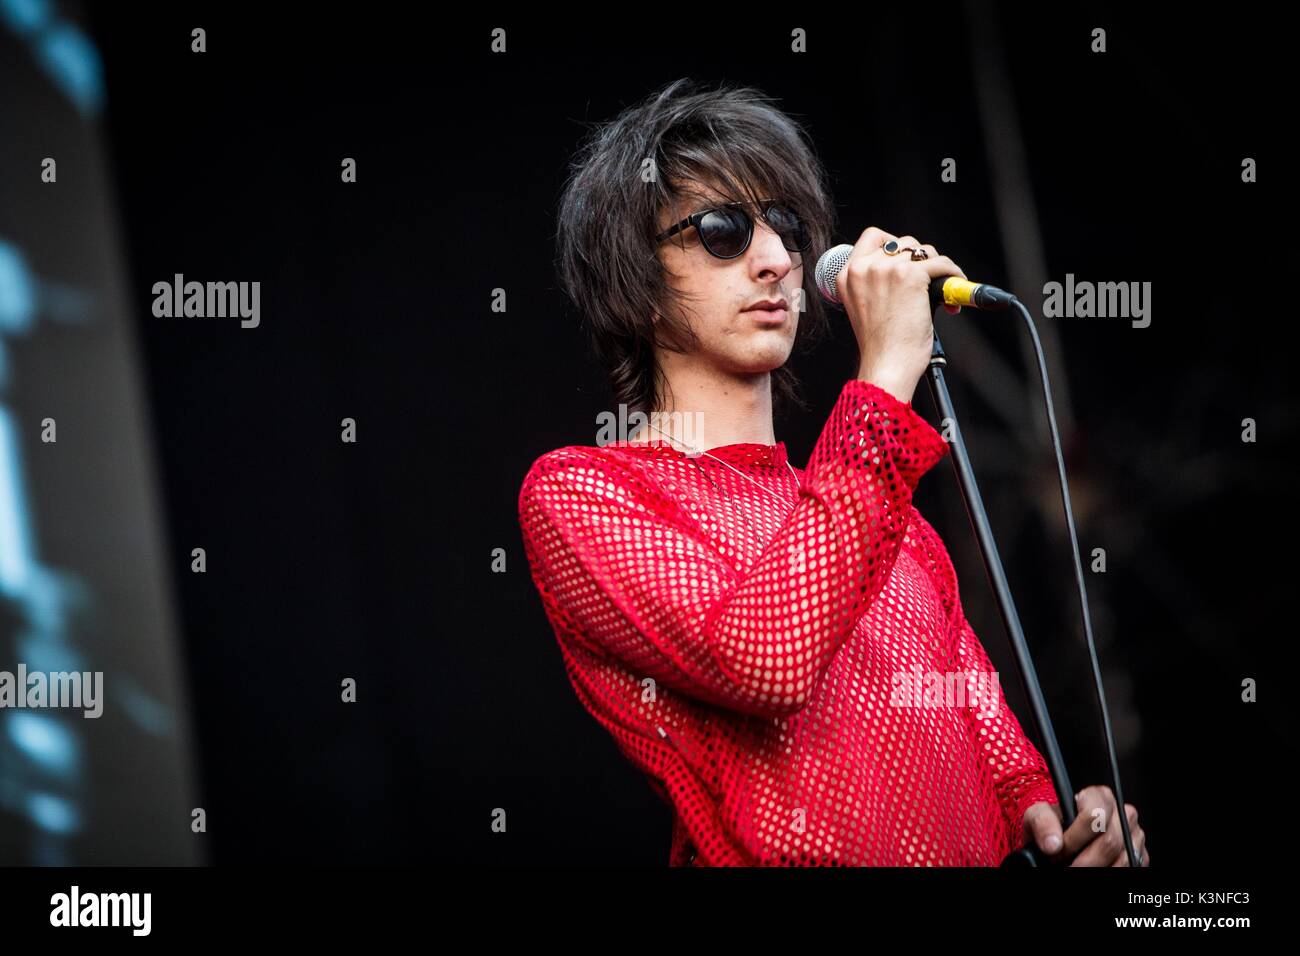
[753, 655]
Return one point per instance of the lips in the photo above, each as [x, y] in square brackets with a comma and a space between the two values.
[769, 312]
[768, 316]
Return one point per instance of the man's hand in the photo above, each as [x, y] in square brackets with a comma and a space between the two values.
[887, 299]
[1094, 839]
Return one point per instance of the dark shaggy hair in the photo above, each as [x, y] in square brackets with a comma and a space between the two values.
[733, 139]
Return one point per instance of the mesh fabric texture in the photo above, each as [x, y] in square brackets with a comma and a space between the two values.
[794, 674]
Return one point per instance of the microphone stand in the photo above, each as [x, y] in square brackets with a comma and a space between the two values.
[1029, 855]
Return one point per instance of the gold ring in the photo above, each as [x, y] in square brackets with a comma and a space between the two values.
[892, 248]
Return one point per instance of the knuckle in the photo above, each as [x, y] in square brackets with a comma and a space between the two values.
[897, 275]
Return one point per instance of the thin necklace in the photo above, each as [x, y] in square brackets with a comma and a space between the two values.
[729, 465]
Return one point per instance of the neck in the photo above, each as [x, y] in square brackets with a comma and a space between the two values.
[704, 408]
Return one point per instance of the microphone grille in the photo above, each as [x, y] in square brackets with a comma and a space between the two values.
[828, 268]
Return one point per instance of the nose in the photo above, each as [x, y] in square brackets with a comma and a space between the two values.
[769, 259]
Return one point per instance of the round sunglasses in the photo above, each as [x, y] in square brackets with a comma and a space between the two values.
[726, 230]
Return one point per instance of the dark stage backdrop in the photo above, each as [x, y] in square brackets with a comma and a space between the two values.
[372, 560]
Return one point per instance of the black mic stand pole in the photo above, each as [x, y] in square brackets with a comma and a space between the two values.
[1029, 855]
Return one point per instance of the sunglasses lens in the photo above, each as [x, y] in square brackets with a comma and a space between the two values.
[725, 232]
[786, 223]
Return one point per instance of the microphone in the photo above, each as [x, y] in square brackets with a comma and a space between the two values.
[950, 290]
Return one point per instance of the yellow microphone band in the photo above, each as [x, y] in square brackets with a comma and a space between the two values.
[959, 291]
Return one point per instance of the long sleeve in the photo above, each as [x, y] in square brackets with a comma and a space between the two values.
[1020, 775]
[625, 568]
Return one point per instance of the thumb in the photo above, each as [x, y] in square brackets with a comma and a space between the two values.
[1043, 827]
[952, 309]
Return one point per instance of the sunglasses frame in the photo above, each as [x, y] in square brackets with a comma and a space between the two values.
[765, 206]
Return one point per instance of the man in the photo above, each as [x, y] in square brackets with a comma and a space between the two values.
[782, 651]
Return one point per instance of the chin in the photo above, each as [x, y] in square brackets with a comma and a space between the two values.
[766, 360]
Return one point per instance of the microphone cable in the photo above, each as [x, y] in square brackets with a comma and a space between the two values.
[1098, 690]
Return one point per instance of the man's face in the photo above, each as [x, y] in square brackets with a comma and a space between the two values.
[720, 291]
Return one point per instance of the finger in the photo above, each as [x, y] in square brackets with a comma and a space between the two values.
[869, 244]
[1106, 848]
[939, 267]
[911, 242]
[1139, 843]
[933, 256]
[1139, 847]
[879, 239]
[871, 240]
[1094, 804]
[1043, 827]
[949, 267]
[1139, 838]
